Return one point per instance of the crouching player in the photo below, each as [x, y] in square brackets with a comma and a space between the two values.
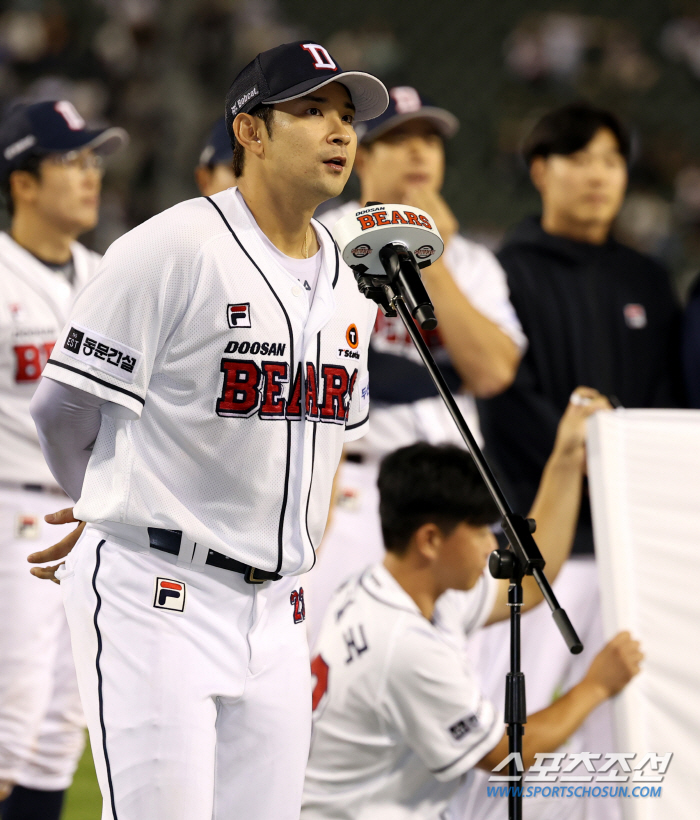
[399, 717]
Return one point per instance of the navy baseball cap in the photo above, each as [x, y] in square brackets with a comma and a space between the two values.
[218, 146]
[294, 69]
[406, 104]
[53, 127]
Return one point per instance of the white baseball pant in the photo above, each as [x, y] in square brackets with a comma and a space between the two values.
[199, 714]
[42, 731]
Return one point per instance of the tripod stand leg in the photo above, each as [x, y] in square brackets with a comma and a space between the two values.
[515, 707]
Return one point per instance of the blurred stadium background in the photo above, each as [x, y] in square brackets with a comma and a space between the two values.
[160, 68]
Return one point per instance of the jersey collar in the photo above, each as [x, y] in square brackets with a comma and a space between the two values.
[381, 585]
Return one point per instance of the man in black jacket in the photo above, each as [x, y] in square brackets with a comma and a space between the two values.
[594, 311]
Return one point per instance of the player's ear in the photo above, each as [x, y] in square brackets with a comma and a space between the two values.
[428, 540]
[538, 168]
[23, 186]
[247, 130]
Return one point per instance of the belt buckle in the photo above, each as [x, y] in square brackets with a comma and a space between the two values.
[250, 576]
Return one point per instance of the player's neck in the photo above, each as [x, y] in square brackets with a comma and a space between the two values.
[415, 580]
[561, 224]
[283, 219]
[41, 238]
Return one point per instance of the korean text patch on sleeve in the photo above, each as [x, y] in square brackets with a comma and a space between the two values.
[111, 357]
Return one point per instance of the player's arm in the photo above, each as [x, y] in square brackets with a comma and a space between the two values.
[556, 506]
[611, 670]
[67, 421]
[485, 357]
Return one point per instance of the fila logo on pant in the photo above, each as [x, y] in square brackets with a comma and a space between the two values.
[170, 594]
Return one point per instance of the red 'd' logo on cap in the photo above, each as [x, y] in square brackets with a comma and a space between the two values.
[322, 59]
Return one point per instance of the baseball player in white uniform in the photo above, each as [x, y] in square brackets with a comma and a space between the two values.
[399, 716]
[50, 176]
[478, 343]
[204, 358]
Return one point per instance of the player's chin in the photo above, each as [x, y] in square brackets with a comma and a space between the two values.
[334, 181]
[85, 219]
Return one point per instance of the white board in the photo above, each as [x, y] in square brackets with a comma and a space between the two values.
[644, 477]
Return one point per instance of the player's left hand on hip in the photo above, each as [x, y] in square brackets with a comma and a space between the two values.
[59, 550]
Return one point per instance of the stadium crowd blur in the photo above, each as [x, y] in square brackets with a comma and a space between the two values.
[159, 69]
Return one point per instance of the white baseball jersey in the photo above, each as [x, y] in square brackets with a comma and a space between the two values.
[406, 407]
[34, 304]
[398, 714]
[236, 390]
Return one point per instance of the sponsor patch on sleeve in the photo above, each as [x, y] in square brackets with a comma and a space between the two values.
[363, 387]
[111, 357]
[463, 727]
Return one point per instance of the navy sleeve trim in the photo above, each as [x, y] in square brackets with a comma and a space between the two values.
[98, 380]
[357, 424]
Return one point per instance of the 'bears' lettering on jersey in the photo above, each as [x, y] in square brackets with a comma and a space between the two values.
[30, 361]
[249, 388]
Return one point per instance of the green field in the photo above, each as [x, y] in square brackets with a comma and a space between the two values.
[83, 801]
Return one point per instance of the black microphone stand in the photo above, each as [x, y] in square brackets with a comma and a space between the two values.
[402, 293]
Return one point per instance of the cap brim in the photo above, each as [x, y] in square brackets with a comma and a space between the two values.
[445, 122]
[369, 95]
[107, 141]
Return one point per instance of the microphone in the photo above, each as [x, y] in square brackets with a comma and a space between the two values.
[386, 246]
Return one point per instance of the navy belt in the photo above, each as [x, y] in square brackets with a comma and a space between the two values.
[169, 541]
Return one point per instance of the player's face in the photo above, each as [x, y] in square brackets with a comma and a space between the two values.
[313, 142]
[463, 556]
[409, 156]
[67, 195]
[211, 180]
[586, 187]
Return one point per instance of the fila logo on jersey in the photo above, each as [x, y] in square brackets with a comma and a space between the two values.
[169, 594]
[635, 316]
[238, 315]
[379, 218]
[249, 389]
[322, 59]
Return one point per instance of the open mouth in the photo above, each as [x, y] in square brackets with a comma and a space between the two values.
[337, 163]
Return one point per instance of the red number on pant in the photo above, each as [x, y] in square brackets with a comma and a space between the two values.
[297, 601]
[319, 669]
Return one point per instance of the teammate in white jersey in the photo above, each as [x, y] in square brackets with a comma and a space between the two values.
[478, 342]
[399, 716]
[214, 171]
[204, 357]
[50, 177]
